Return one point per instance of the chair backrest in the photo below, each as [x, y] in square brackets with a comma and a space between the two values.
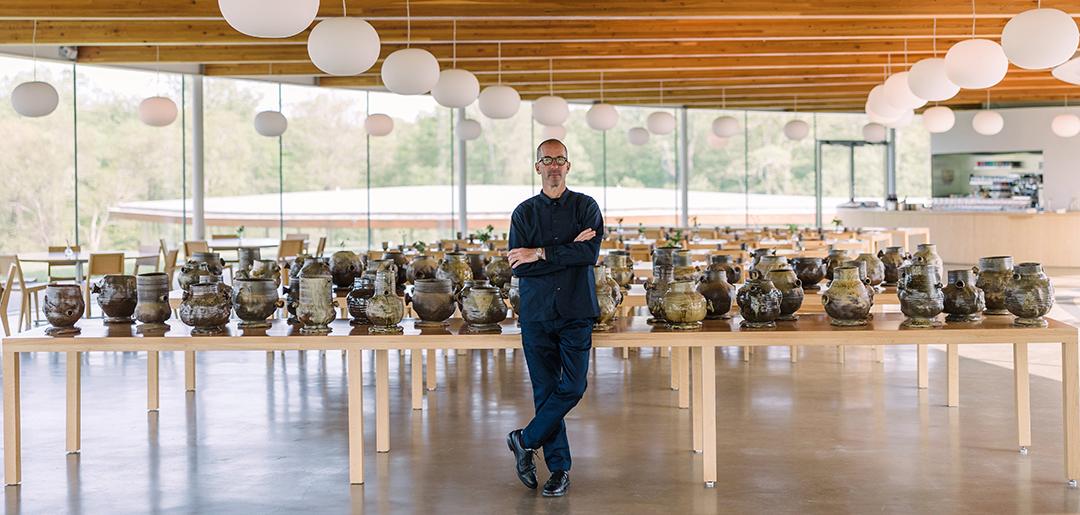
[320, 247]
[191, 247]
[296, 236]
[103, 264]
[222, 236]
[5, 297]
[289, 248]
[62, 248]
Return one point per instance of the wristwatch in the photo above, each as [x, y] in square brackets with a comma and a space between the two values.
[540, 253]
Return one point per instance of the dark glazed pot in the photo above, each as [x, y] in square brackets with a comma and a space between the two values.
[455, 268]
[315, 307]
[152, 309]
[422, 266]
[483, 308]
[655, 290]
[117, 296]
[809, 270]
[498, 272]
[893, 258]
[254, 300]
[790, 287]
[963, 300]
[63, 306]
[344, 267]
[1029, 296]
[759, 302]
[994, 276]
[433, 301]
[921, 298]
[356, 300]
[718, 292]
[206, 308]
[385, 309]
[728, 265]
[836, 258]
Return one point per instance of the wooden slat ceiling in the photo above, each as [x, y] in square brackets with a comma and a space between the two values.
[753, 54]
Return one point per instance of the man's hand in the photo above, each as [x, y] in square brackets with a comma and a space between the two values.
[585, 235]
[520, 256]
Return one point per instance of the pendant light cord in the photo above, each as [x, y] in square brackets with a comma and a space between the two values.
[551, 77]
[408, 24]
[934, 38]
[498, 61]
[454, 46]
[661, 93]
[344, 9]
[33, 47]
[723, 98]
[601, 87]
[973, 19]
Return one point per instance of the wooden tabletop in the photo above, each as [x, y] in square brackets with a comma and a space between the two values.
[79, 257]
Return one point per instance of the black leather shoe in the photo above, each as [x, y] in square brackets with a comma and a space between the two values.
[557, 484]
[523, 458]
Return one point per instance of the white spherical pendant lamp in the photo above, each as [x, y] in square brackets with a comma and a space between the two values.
[343, 46]
[725, 126]
[271, 124]
[938, 119]
[1068, 72]
[410, 71]
[660, 123]
[877, 104]
[927, 79]
[602, 117]
[976, 64]
[874, 132]
[157, 111]
[796, 130]
[987, 123]
[469, 130]
[637, 136]
[553, 132]
[1065, 125]
[904, 120]
[550, 110]
[456, 88]
[717, 142]
[269, 18]
[898, 93]
[35, 98]
[499, 102]
[378, 124]
[1040, 38]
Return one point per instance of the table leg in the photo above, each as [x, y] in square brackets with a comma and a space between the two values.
[431, 378]
[673, 369]
[416, 358]
[152, 383]
[74, 402]
[841, 354]
[189, 371]
[1070, 385]
[695, 406]
[665, 352]
[1023, 396]
[684, 377]
[879, 353]
[794, 351]
[355, 372]
[626, 353]
[746, 354]
[12, 420]
[953, 351]
[708, 415]
[922, 352]
[382, 401]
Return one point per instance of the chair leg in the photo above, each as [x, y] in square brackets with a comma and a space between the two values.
[37, 307]
[86, 297]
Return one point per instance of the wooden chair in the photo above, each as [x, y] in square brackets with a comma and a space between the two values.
[29, 303]
[57, 277]
[321, 247]
[150, 261]
[222, 236]
[302, 236]
[101, 264]
[191, 247]
[5, 297]
[289, 249]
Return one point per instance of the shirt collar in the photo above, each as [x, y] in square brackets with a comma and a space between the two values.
[548, 200]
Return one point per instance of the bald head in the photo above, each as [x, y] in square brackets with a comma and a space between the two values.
[553, 148]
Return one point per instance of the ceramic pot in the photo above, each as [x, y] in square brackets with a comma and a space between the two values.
[344, 267]
[684, 307]
[254, 300]
[809, 270]
[836, 258]
[893, 258]
[292, 291]
[152, 308]
[759, 302]
[455, 268]
[483, 308]
[785, 280]
[848, 298]
[718, 293]
[605, 298]
[1029, 295]
[266, 269]
[655, 290]
[963, 300]
[246, 258]
[875, 269]
[921, 298]
[770, 262]
[213, 260]
[206, 308]
[861, 267]
[433, 301]
[621, 268]
[63, 306]
[356, 300]
[470, 284]
[685, 270]
[476, 261]
[498, 272]
[663, 256]
[315, 306]
[601, 272]
[926, 253]
[422, 266]
[994, 275]
[515, 296]
[728, 265]
[400, 262]
[756, 256]
[385, 309]
[117, 295]
[195, 272]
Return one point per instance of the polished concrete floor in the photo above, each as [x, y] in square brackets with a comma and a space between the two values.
[810, 437]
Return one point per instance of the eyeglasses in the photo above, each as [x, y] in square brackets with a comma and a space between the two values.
[547, 160]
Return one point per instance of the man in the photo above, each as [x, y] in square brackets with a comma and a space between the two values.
[554, 243]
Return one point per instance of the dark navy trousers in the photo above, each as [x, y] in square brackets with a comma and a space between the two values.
[557, 353]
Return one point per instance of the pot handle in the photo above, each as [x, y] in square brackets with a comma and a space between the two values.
[960, 284]
[975, 270]
[824, 299]
[280, 303]
[164, 298]
[755, 274]
[1016, 276]
[798, 283]
[880, 253]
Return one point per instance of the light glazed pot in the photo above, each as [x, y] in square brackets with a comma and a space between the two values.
[921, 296]
[728, 265]
[601, 273]
[483, 308]
[963, 300]
[344, 267]
[836, 258]
[791, 289]
[809, 270]
[63, 306]
[266, 269]
[621, 268]
[498, 272]
[926, 253]
[422, 266]
[848, 298]
[604, 298]
[315, 307]
[759, 302]
[684, 307]
[455, 268]
[117, 295]
[254, 300]
[1030, 295]
[655, 290]
[464, 291]
[718, 292]
[206, 308]
[385, 309]
[893, 258]
[152, 308]
[433, 301]
[356, 300]
[875, 270]
[765, 264]
[994, 275]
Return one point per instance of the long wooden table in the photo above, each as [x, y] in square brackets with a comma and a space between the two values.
[698, 347]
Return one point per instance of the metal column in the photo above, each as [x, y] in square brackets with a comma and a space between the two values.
[890, 165]
[682, 168]
[198, 182]
[461, 173]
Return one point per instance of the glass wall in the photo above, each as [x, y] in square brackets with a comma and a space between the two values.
[780, 172]
[717, 175]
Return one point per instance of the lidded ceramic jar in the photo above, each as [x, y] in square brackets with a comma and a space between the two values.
[809, 270]
[455, 268]
[422, 266]
[385, 309]
[848, 298]
[926, 253]
[206, 308]
[893, 258]
[63, 306]
[356, 300]
[718, 292]
[836, 258]
[315, 307]
[254, 300]
[921, 298]
[621, 268]
[791, 289]
[1029, 295]
[344, 267]
[483, 308]
[655, 290]
[152, 308]
[875, 269]
[994, 273]
[759, 302]
[117, 295]
[963, 300]
[433, 301]
[605, 298]
[498, 272]
[728, 264]
[684, 307]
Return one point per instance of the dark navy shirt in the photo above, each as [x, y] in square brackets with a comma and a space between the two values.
[561, 286]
